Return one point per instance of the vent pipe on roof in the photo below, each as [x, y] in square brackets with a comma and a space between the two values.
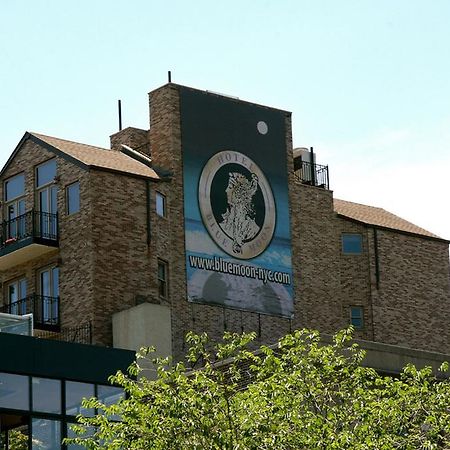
[138, 156]
[312, 168]
[169, 76]
[119, 105]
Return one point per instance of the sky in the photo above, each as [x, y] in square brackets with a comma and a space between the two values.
[367, 81]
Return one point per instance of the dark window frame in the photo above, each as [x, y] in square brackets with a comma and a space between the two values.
[68, 187]
[355, 318]
[5, 189]
[159, 195]
[38, 186]
[21, 299]
[345, 246]
[163, 281]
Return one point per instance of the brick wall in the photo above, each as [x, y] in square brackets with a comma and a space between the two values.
[412, 305]
[109, 253]
[168, 236]
[326, 282]
[409, 299]
[135, 138]
[316, 256]
[120, 252]
[73, 256]
[355, 277]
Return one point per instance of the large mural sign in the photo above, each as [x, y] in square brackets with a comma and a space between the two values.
[237, 228]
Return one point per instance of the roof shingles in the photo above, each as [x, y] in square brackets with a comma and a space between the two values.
[99, 157]
[371, 215]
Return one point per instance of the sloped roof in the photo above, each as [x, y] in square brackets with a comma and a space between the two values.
[97, 157]
[379, 217]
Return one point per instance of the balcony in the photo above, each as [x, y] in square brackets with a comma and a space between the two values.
[82, 334]
[45, 311]
[28, 236]
[313, 174]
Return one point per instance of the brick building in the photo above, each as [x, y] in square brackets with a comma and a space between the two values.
[93, 240]
[208, 221]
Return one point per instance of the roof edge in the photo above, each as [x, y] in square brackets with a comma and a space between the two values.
[396, 230]
[15, 151]
[46, 145]
[218, 94]
[121, 172]
[57, 151]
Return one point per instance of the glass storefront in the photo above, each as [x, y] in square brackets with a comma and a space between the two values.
[75, 392]
[36, 412]
[46, 434]
[46, 395]
[14, 392]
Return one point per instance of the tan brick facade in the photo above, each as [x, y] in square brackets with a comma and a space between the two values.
[76, 284]
[109, 251]
[327, 282]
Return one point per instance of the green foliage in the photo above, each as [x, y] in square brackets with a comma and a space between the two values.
[299, 394]
[17, 440]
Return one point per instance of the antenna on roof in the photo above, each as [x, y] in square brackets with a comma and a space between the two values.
[119, 105]
[169, 76]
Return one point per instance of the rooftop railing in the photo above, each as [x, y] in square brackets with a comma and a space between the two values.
[313, 174]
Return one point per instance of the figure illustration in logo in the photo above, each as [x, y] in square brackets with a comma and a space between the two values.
[236, 204]
[239, 219]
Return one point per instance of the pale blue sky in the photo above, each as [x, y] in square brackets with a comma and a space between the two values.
[368, 82]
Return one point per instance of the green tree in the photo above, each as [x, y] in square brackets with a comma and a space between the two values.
[17, 440]
[299, 394]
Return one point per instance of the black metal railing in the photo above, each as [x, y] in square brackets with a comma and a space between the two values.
[35, 224]
[81, 334]
[313, 174]
[45, 310]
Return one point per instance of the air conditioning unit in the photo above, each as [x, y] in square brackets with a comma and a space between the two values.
[305, 171]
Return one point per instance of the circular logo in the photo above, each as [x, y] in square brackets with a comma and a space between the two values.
[236, 204]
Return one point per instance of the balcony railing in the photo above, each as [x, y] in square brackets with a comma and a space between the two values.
[33, 224]
[313, 174]
[81, 334]
[45, 310]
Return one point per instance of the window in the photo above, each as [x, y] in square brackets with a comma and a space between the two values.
[75, 392]
[48, 283]
[45, 173]
[73, 198]
[45, 431]
[46, 395]
[17, 293]
[110, 395]
[162, 279]
[15, 208]
[46, 197]
[88, 431]
[357, 317]
[351, 244]
[15, 187]
[160, 204]
[14, 391]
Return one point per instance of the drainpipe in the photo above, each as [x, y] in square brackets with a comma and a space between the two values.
[148, 211]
